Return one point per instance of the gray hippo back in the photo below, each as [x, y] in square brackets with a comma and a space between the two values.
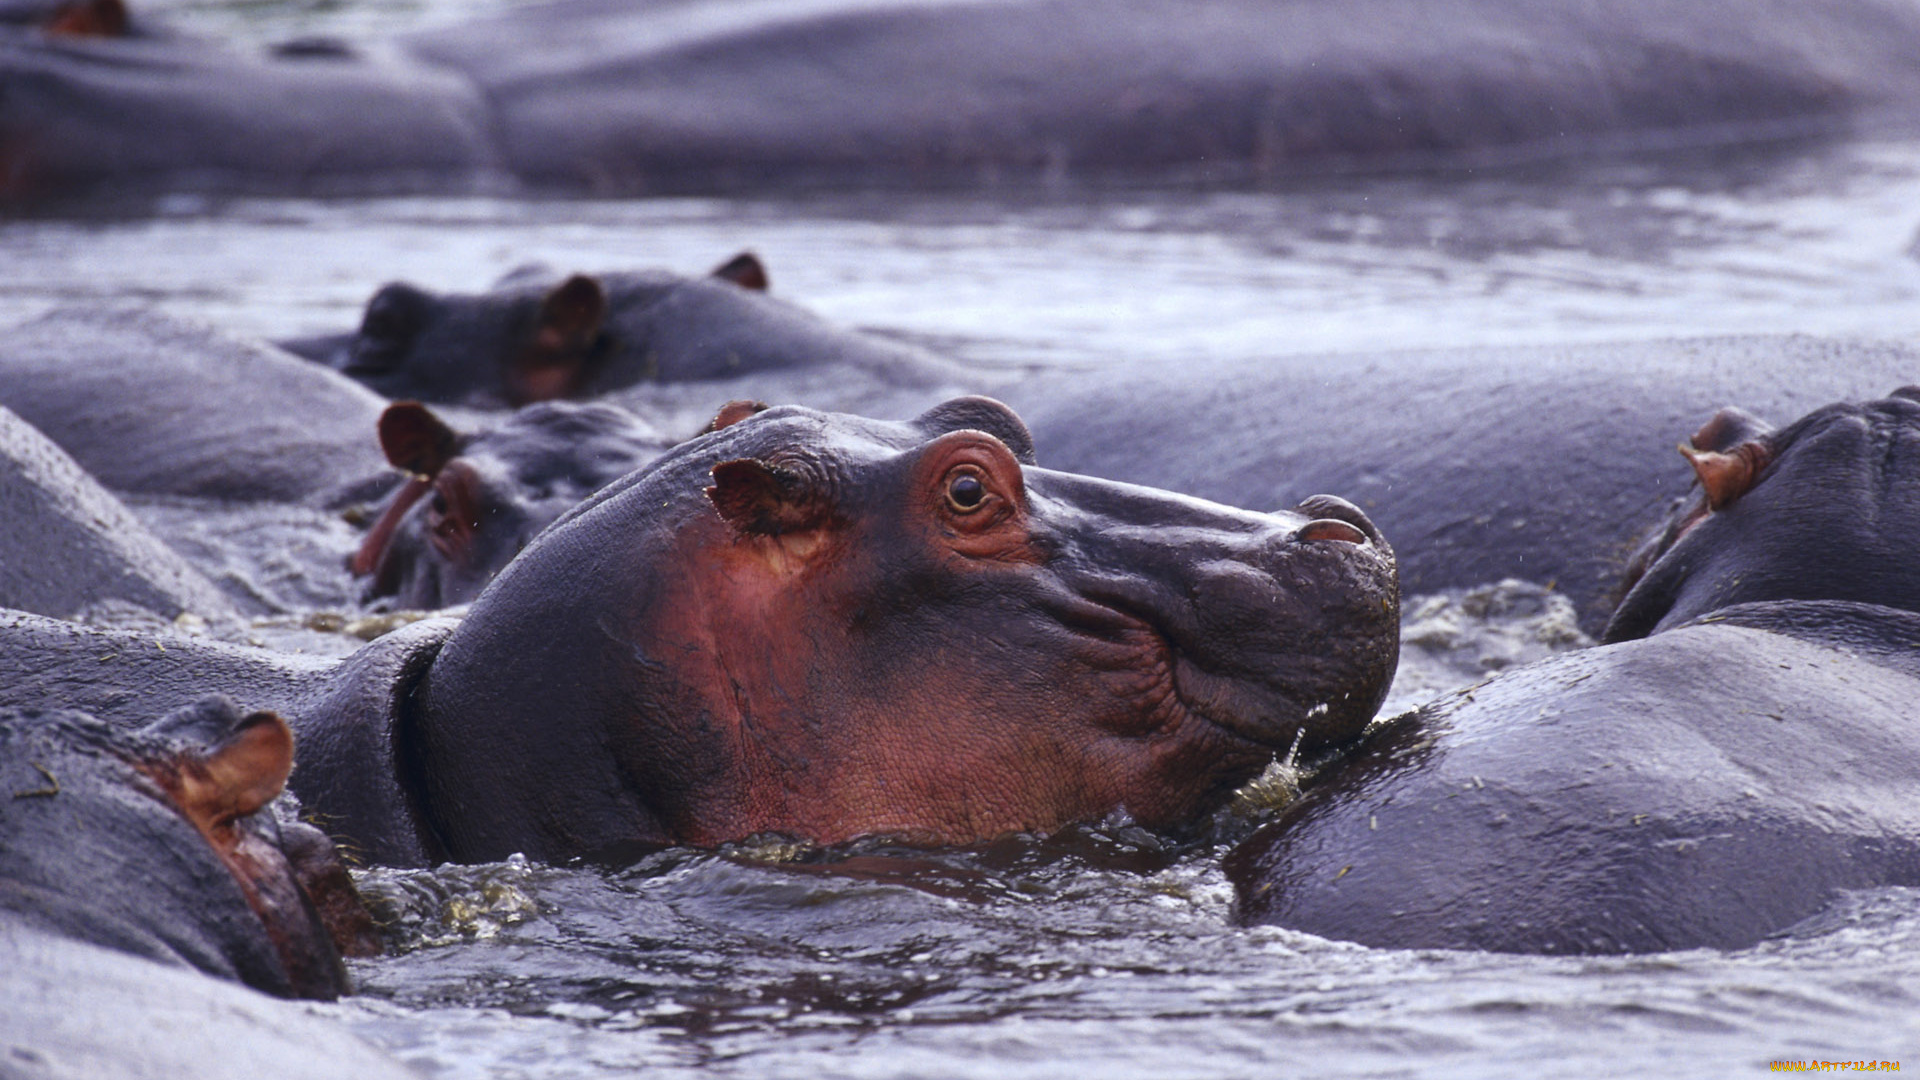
[1708, 784]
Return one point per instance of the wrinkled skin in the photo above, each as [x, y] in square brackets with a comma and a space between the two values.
[161, 843]
[616, 98]
[1707, 784]
[537, 336]
[830, 627]
[474, 501]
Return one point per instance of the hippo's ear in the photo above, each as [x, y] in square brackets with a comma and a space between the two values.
[235, 777]
[416, 440]
[571, 314]
[1728, 454]
[758, 498]
[88, 18]
[745, 270]
[1727, 475]
[732, 413]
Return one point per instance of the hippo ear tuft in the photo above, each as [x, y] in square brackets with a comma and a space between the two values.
[732, 413]
[757, 498]
[1726, 476]
[745, 270]
[416, 440]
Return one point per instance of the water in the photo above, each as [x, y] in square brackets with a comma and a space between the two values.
[1105, 951]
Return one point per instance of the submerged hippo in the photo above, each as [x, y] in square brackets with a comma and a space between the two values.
[1744, 747]
[823, 626]
[161, 843]
[156, 405]
[84, 103]
[473, 501]
[149, 891]
[612, 97]
[67, 545]
[1533, 462]
[537, 336]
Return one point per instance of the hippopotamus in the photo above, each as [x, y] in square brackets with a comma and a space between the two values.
[67, 545]
[1532, 462]
[1741, 748]
[614, 98]
[153, 882]
[152, 404]
[538, 336]
[473, 501]
[823, 626]
[85, 104]
[182, 807]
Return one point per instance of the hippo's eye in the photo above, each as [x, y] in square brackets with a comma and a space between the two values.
[438, 505]
[965, 492]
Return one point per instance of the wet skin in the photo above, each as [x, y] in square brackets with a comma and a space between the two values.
[161, 843]
[823, 626]
[828, 627]
[1743, 748]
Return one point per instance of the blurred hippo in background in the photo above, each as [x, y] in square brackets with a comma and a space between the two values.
[146, 880]
[473, 501]
[538, 336]
[67, 546]
[710, 95]
[1744, 747]
[1548, 462]
[822, 626]
[93, 99]
[155, 405]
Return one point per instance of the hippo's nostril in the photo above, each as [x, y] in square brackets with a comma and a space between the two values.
[1330, 529]
[1332, 508]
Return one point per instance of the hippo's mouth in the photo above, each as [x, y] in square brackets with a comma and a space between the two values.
[1307, 641]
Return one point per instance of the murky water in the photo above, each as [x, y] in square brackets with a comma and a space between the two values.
[1104, 951]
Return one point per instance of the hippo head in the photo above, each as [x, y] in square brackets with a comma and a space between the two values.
[474, 500]
[827, 626]
[528, 339]
[161, 842]
[1825, 509]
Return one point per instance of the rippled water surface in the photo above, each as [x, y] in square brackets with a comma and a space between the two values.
[1106, 951]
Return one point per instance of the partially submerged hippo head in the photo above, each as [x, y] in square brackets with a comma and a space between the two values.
[474, 500]
[534, 338]
[162, 843]
[828, 626]
[1824, 509]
